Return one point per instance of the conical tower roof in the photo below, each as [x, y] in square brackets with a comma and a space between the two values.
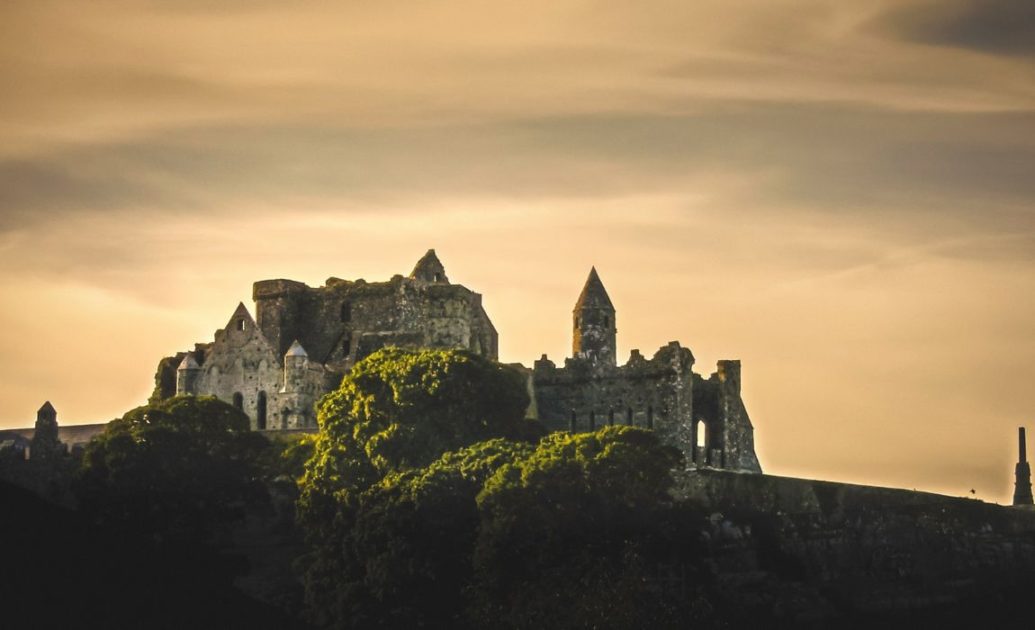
[189, 363]
[296, 350]
[47, 407]
[594, 295]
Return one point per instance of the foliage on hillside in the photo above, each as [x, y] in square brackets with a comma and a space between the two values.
[179, 469]
[430, 501]
[397, 410]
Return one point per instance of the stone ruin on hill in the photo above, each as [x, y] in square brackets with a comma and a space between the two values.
[277, 365]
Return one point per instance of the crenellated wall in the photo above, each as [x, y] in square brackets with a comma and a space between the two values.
[659, 393]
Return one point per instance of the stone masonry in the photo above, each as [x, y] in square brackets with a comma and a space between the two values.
[276, 366]
[705, 419]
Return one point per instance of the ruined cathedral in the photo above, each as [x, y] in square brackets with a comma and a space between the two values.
[303, 340]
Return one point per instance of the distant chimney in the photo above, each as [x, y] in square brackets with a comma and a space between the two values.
[1022, 484]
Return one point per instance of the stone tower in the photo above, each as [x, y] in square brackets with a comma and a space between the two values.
[1022, 473]
[187, 375]
[45, 441]
[294, 394]
[594, 324]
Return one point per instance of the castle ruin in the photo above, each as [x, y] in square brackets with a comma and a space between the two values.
[303, 340]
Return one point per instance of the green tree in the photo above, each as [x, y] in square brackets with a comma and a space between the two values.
[584, 534]
[412, 540]
[396, 413]
[179, 469]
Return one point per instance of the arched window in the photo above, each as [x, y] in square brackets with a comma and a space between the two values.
[702, 434]
[629, 416]
[261, 411]
[610, 417]
[573, 419]
[346, 345]
[346, 311]
[650, 417]
[592, 421]
[239, 401]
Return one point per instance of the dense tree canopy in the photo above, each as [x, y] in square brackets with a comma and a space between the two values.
[430, 501]
[582, 533]
[398, 410]
[177, 469]
[396, 413]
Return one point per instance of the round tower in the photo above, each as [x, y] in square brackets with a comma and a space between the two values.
[296, 360]
[187, 376]
[45, 442]
[595, 331]
[293, 399]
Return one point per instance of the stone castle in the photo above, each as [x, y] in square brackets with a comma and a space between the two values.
[303, 340]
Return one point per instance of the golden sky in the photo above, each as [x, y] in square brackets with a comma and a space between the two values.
[839, 193]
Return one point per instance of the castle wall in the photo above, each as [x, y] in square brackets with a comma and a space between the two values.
[329, 321]
[336, 325]
[722, 433]
[655, 393]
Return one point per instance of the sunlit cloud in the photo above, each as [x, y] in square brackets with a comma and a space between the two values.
[837, 193]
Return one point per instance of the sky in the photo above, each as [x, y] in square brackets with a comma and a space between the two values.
[839, 193]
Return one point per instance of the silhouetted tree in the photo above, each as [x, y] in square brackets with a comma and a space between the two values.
[180, 469]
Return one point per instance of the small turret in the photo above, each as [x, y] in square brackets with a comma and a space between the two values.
[594, 323]
[187, 375]
[296, 360]
[294, 403]
[45, 441]
[1022, 473]
[429, 269]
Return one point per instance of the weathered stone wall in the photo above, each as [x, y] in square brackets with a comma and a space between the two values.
[816, 552]
[330, 320]
[584, 395]
[336, 325]
[722, 433]
[705, 419]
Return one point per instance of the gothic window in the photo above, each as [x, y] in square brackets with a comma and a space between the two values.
[702, 434]
[261, 411]
[650, 417]
[346, 311]
[611, 417]
[573, 419]
[239, 401]
[592, 421]
[629, 416]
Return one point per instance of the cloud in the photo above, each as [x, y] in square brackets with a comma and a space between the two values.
[968, 172]
[1002, 27]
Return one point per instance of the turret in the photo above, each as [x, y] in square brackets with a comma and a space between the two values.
[594, 323]
[1022, 473]
[187, 375]
[45, 441]
[296, 360]
[429, 269]
[293, 399]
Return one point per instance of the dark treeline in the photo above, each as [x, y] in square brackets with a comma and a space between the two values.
[426, 500]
